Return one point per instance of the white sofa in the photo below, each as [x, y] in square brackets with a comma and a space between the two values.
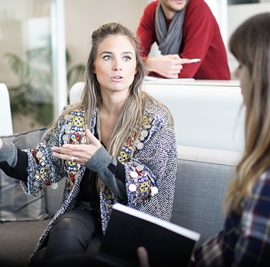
[207, 113]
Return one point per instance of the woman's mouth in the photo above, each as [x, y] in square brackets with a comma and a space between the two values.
[117, 78]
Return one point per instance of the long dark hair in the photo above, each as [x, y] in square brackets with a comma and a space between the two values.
[250, 44]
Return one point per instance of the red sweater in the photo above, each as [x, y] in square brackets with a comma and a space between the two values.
[201, 39]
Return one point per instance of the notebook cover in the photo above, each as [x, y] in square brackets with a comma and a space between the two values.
[167, 244]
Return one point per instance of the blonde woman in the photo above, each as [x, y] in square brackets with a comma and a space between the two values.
[245, 239]
[116, 145]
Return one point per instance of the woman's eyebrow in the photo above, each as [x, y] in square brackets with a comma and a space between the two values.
[127, 52]
[106, 52]
[110, 53]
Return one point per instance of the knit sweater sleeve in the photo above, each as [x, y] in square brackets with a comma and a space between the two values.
[43, 169]
[110, 171]
[151, 172]
[36, 168]
[13, 161]
[152, 191]
[202, 39]
[197, 36]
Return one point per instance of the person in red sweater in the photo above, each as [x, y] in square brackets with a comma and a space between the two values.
[183, 29]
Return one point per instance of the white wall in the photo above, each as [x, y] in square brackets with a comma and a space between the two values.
[237, 14]
[85, 16]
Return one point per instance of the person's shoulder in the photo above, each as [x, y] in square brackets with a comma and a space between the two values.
[263, 183]
[196, 3]
[70, 112]
[198, 11]
[151, 7]
[159, 111]
[198, 6]
[259, 200]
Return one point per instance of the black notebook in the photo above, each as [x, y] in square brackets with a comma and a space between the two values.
[167, 244]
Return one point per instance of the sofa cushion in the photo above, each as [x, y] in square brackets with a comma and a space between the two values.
[203, 176]
[15, 205]
[18, 240]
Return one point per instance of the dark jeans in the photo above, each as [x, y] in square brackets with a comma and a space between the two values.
[71, 234]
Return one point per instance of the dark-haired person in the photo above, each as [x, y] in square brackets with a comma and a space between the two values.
[183, 30]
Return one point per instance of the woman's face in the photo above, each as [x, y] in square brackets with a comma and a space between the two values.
[243, 75]
[115, 64]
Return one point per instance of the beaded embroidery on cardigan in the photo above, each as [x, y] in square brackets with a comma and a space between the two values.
[150, 174]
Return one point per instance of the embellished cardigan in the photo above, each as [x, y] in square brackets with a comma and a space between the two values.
[150, 173]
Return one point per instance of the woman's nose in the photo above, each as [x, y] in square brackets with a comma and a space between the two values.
[117, 65]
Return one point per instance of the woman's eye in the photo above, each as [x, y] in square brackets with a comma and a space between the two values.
[127, 58]
[107, 57]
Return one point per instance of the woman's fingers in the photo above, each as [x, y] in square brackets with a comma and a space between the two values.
[93, 140]
[62, 156]
[82, 153]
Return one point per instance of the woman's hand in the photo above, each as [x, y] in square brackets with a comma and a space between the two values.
[143, 257]
[82, 153]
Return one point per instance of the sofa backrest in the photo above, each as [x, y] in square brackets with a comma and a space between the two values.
[203, 176]
[206, 113]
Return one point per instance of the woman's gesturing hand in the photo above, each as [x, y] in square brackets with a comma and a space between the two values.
[78, 153]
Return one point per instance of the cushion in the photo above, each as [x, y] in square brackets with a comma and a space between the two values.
[203, 176]
[15, 205]
[19, 239]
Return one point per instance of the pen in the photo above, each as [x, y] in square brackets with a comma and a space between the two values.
[195, 60]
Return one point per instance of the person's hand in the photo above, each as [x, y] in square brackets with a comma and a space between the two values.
[168, 66]
[143, 257]
[82, 153]
[1, 143]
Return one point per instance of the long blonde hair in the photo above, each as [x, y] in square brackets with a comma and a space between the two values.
[250, 44]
